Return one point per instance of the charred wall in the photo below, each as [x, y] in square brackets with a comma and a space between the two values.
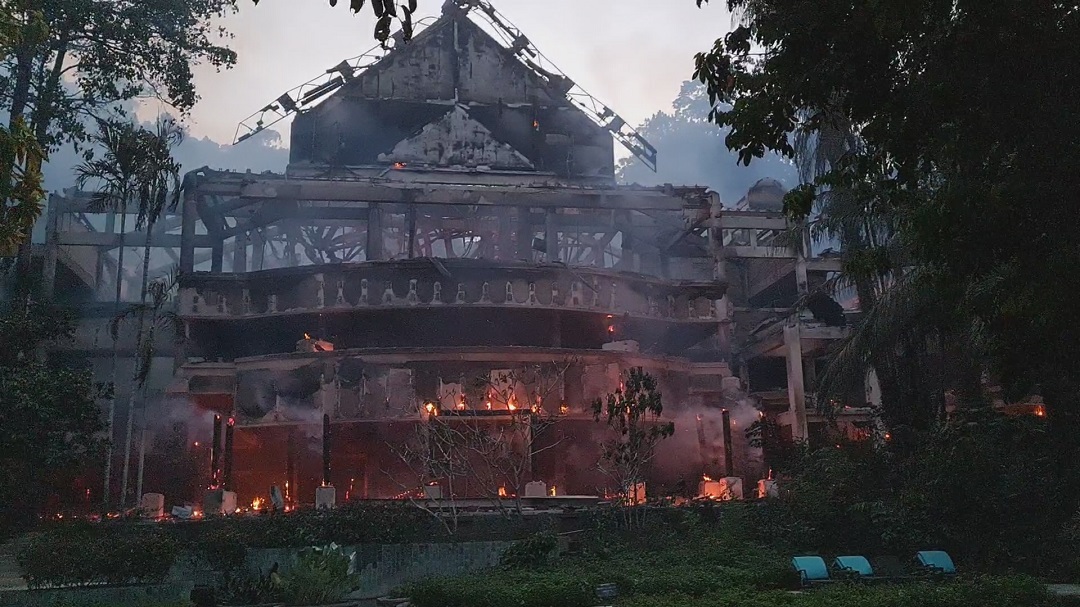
[457, 75]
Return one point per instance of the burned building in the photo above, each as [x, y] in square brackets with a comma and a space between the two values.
[449, 240]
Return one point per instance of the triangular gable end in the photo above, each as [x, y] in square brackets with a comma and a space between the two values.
[457, 139]
[456, 59]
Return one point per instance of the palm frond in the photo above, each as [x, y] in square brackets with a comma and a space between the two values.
[131, 312]
[896, 311]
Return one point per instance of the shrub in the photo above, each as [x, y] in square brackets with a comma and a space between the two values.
[320, 576]
[983, 486]
[520, 589]
[533, 551]
[223, 547]
[75, 557]
[246, 589]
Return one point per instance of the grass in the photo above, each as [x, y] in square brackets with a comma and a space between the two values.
[700, 566]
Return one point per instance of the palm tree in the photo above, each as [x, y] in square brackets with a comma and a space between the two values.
[153, 314]
[135, 170]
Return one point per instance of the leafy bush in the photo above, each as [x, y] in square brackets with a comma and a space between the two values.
[985, 592]
[520, 589]
[675, 556]
[320, 576]
[246, 589]
[983, 487]
[74, 557]
[223, 547]
[533, 551]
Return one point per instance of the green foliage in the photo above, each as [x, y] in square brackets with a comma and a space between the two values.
[632, 412]
[346, 525]
[321, 576]
[984, 592]
[677, 555]
[113, 52]
[223, 547]
[247, 589]
[973, 214]
[48, 411]
[701, 556]
[70, 557]
[523, 589]
[983, 487]
[21, 156]
[20, 183]
[533, 551]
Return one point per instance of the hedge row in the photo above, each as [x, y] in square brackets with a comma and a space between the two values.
[77, 557]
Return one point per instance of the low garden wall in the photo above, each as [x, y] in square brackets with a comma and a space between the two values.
[114, 596]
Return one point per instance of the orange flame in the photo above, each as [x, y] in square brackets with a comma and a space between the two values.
[553, 492]
[502, 491]
[705, 477]
[256, 504]
[306, 336]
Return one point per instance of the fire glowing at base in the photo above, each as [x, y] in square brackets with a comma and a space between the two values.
[256, 504]
[502, 491]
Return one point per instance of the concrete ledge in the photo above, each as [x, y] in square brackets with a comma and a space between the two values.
[96, 596]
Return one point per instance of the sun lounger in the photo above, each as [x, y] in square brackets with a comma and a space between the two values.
[936, 561]
[811, 570]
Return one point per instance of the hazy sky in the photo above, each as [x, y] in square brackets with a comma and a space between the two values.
[631, 54]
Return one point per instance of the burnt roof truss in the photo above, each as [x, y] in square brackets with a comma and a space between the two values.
[484, 14]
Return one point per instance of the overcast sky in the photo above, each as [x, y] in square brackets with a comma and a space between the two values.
[631, 54]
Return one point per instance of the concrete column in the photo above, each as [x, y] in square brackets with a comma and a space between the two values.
[524, 234]
[374, 247]
[99, 252]
[716, 239]
[796, 385]
[716, 249]
[190, 215]
[217, 257]
[801, 278]
[505, 241]
[258, 250]
[410, 226]
[810, 375]
[873, 389]
[551, 235]
[239, 261]
[52, 227]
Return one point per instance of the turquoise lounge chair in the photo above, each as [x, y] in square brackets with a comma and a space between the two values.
[857, 565]
[811, 569]
[937, 561]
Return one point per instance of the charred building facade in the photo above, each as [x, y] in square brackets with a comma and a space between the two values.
[450, 241]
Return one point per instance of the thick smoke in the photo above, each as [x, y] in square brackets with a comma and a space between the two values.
[692, 152]
[264, 152]
[682, 455]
